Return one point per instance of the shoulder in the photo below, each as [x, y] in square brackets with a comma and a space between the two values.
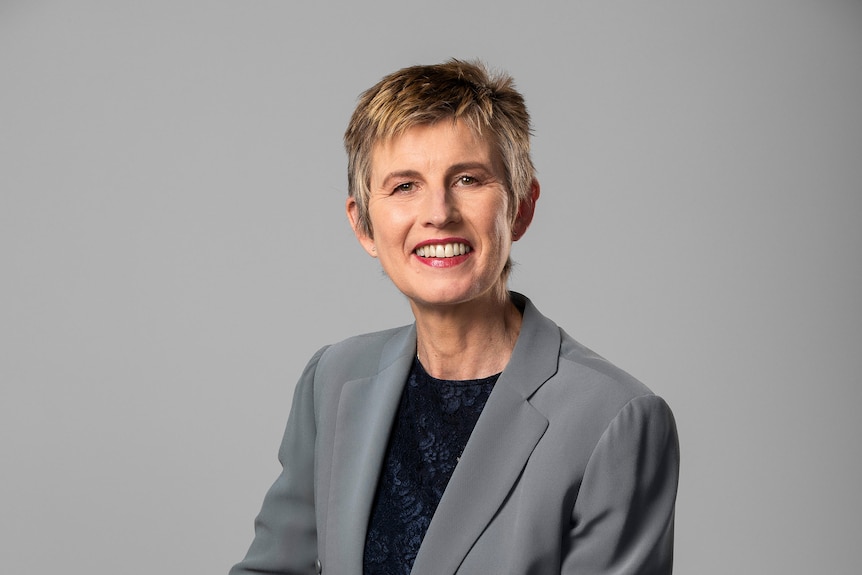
[358, 357]
[584, 386]
[565, 363]
[589, 402]
[592, 371]
[365, 355]
[595, 375]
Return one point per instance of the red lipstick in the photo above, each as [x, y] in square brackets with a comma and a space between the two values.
[443, 252]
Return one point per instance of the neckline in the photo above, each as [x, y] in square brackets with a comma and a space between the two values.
[420, 370]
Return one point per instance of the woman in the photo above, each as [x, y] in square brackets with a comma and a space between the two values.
[482, 439]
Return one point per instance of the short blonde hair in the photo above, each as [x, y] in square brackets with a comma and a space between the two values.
[421, 95]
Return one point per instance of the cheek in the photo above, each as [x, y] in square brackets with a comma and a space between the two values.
[390, 228]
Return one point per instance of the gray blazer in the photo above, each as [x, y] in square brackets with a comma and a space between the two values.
[572, 466]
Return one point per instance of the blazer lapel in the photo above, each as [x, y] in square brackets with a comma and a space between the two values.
[489, 467]
[497, 451]
[366, 409]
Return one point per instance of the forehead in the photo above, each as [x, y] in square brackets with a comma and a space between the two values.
[432, 146]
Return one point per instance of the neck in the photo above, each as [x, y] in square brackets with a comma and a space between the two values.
[466, 341]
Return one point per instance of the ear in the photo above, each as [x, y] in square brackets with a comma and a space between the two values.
[526, 209]
[365, 240]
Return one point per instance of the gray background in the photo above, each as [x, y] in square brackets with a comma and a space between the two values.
[173, 248]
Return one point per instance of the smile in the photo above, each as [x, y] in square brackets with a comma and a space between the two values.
[443, 250]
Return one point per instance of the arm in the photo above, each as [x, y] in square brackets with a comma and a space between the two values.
[285, 540]
[623, 516]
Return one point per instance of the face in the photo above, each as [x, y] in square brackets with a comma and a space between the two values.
[439, 215]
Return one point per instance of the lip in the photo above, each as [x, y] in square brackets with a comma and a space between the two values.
[443, 262]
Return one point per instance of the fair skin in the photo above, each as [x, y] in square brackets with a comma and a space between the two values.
[439, 212]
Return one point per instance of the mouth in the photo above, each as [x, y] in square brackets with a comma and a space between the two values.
[443, 250]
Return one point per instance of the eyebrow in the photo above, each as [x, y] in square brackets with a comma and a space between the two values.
[470, 166]
[400, 175]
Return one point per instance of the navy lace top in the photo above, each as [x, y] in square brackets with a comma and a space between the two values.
[434, 421]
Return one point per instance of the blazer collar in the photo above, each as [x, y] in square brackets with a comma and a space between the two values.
[502, 441]
[537, 351]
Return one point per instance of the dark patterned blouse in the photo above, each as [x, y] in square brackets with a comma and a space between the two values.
[434, 421]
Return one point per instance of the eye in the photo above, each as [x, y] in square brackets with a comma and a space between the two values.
[404, 187]
[467, 181]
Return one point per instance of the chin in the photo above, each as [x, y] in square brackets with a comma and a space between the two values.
[449, 296]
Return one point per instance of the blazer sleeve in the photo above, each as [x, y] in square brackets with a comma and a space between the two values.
[623, 516]
[285, 539]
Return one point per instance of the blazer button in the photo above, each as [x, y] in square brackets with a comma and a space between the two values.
[318, 567]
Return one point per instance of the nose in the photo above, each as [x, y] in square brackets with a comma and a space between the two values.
[439, 207]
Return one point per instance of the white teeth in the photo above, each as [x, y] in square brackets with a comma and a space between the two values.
[442, 250]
